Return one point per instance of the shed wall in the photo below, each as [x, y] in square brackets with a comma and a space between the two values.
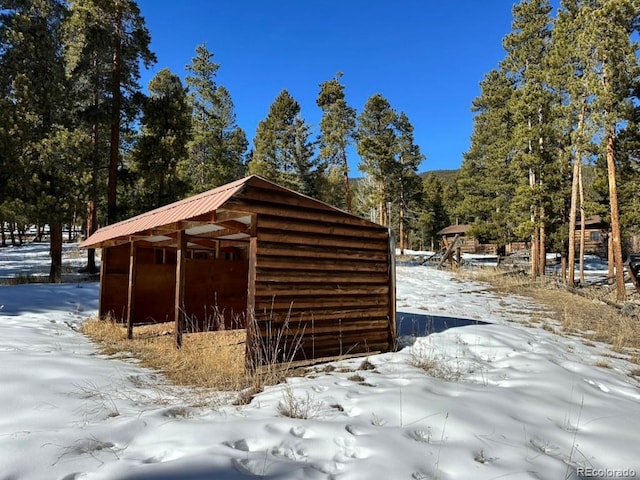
[322, 278]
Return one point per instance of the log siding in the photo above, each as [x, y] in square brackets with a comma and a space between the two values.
[316, 282]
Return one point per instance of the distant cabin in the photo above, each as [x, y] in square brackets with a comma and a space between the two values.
[595, 236]
[470, 244]
[257, 256]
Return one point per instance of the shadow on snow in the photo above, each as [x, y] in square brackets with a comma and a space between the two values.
[413, 325]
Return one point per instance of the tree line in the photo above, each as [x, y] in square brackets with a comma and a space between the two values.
[555, 135]
[80, 142]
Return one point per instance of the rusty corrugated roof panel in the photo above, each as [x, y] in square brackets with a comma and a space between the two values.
[454, 229]
[186, 209]
[593, 220]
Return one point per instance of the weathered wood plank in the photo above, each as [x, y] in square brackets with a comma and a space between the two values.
[311, 226]
[299, 251]
[301, 289]
[272, 196]
[326, 264]
[330, 340]
[273, 275]
[269, 208]
[308, 352]
[297, 303]
[283, 238]
[334, 328]
[268, 314]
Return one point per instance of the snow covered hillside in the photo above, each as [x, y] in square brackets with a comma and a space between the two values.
[484, 397]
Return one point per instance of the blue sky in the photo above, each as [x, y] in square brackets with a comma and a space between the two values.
[426, 57]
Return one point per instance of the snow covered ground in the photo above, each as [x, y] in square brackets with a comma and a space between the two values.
[31, 259]
[506, 402]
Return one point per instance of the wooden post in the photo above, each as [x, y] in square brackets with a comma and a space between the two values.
[103, 272]
[449, 251]
[393, 333]
[179, 297]
[132, 289]
[251, 346]
[458, 256]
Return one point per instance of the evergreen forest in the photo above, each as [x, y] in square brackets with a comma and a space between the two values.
[556, 134]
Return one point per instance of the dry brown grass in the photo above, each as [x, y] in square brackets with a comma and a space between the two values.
[209, 360]
[206, 359]
[586, 315]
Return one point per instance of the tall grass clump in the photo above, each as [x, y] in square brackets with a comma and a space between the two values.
[209, 359]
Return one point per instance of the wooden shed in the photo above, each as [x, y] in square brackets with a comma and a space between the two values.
[595, 235]
[467, 243]
[300, 275]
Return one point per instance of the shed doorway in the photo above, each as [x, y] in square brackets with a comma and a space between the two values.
[215, 284]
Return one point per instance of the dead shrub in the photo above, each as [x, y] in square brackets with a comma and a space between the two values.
[436, 366]
[302, 407]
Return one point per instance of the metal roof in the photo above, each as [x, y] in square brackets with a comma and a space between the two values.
[454, 230]
[186, 209]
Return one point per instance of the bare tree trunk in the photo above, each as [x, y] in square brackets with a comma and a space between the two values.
[575, 188]
[571, 261]
[542, 245]
[535, 238]
[91, 228]
[92, 214]
[542, 237]
[55, 251]
[116, 73]
[582, 222]
[402, 233]
[610, 256]
[12, 234]
[347, 187]
[615, 217]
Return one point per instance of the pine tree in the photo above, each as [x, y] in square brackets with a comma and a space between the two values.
[162, 143]
[88, 59]
[105, 42]
[532, 107]
[377, 147]
[282, 150]
[44, 144]
[390, 158]
[406, 182]
[109, 33]
[218, 145]
[616, 69]
[433, 212]
[567, 66]
[628, 161]
[337, 131]
[487, 179]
